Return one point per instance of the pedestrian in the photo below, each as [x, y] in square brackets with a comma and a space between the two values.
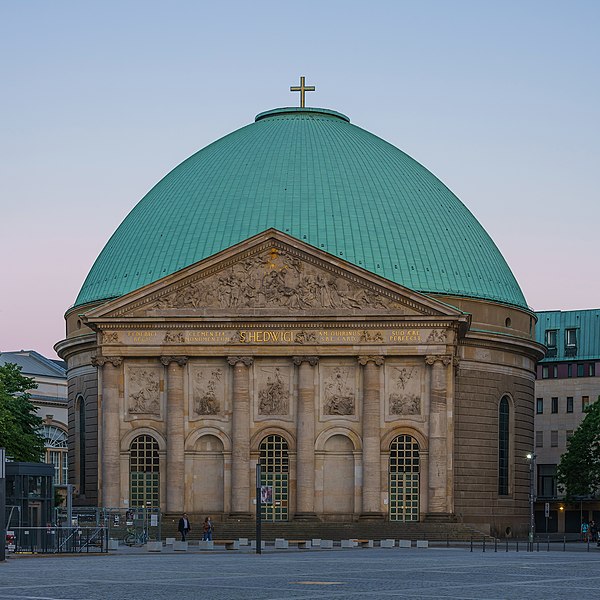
[208, 529]
[593, 531]
[584, 531]
[184, 526]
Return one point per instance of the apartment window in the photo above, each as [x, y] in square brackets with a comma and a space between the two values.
[539, 406]
[554, 405]
[554, 371]
[539, 439]
[569, 404]
[585, 402]
[591, 369]
[571, 338]
[551, 338]
[554, 439]
[580, 370]
[544, 372]
[569, 370]
[547, 481]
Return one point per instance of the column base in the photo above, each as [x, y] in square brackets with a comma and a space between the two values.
[240, 516]
[371, 516]
[307, 516]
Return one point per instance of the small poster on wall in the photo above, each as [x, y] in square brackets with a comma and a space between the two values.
[266, 494]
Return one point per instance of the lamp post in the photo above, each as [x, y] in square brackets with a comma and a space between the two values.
[531, 459]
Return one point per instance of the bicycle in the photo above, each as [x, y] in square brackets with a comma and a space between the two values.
[135, 538]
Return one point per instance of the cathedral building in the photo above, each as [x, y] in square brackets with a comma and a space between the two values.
[303, 295]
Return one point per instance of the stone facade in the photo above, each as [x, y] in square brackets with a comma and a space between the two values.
[273, 339]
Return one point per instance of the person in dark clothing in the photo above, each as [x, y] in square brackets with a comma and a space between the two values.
[184, 526]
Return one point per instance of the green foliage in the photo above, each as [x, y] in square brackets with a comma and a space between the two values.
[579, 468]
[19, 424]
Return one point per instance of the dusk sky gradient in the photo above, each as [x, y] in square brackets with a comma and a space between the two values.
[100, 100]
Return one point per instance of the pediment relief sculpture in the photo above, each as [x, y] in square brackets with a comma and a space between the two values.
[276, 279]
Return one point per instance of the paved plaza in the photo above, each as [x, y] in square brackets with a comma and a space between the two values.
[372, 573]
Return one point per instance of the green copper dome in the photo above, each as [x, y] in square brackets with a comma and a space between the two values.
[311, 174]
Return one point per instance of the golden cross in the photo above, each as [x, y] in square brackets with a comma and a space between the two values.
[302, 89]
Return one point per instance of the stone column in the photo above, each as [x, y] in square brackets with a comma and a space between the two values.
[371, 416]
[240, 434]
[305, 438]
[438, 435]
[175, 433]
[111, 429]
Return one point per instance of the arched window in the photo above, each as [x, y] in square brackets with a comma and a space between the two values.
[144, 482]
[503, 445]
[404, 479]
[56, 452]
[274, 466]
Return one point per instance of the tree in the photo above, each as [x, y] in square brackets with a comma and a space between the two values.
[579, 468]
[20, 427]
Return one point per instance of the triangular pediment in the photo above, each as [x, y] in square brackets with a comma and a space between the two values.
[271, 274]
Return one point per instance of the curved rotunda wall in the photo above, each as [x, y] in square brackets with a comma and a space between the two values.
[311, 174]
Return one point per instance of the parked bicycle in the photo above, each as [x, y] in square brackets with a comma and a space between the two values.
[134, 537]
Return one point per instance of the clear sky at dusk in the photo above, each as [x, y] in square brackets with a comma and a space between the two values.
[500, 100]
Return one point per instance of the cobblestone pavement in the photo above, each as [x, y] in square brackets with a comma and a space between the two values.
[430, 573]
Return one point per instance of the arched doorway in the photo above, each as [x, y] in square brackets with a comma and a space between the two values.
[274, 465]
[404, 479]
[205, 496]
[338, 477]
[144, 480]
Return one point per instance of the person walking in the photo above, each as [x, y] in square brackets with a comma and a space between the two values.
[184, 526]
[207, 529]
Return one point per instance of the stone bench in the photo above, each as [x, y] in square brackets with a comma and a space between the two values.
[243, 541]
[169, 541]
[229, 544]
[315, 542]
[301, 543]
[348, 544]
[404, 544]
[363, 543]
[422, 544]
[206, 544]
[387, 543]
[326, 544]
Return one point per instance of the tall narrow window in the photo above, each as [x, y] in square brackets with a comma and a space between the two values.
[554, 439]
[56, 452]
[551, 338]
[585, 402]
[569, 404]
[539, 439]
[539, 406]
[570, 370]
[404, 479]
[144, 482]
[592, 370]
[81, 443]
[274, 464]
[503, 446]
[580, 370]
[554, 405]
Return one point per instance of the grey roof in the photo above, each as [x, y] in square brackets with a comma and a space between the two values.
[32, 363]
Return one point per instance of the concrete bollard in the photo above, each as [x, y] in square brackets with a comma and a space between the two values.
[347, 544]
[326, 544]
[253, 544]
[281, 544]
[169, 541]
[243, 541]
[316, 542]
[180, 546]
[387, 543]
[404, 543]
[206, 545]
[422, 544]
[113, 544]
[154, 546]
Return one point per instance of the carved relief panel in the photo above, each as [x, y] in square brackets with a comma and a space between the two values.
[404, 390]
[144, 392]
[207, 390]
[339, 390]
[276, 278]
[273, 390]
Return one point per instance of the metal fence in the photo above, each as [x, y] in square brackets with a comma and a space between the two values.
[57, 540]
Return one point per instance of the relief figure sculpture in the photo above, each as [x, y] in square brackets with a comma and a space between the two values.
[403, 401]
[144, 392]
[339, 396]
[274, 397]
[205, 392]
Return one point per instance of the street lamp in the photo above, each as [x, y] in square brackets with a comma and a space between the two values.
[531, 458]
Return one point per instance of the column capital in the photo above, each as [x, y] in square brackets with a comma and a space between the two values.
[377, 360]
[180, 360]
[445, 359]
[311, 360]
[234, 360]
[100, 361]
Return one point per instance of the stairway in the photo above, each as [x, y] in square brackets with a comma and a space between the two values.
[373, 530]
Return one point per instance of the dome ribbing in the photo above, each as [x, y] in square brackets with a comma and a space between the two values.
[311, 174]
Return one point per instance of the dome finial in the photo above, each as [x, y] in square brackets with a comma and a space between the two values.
[302, 89]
